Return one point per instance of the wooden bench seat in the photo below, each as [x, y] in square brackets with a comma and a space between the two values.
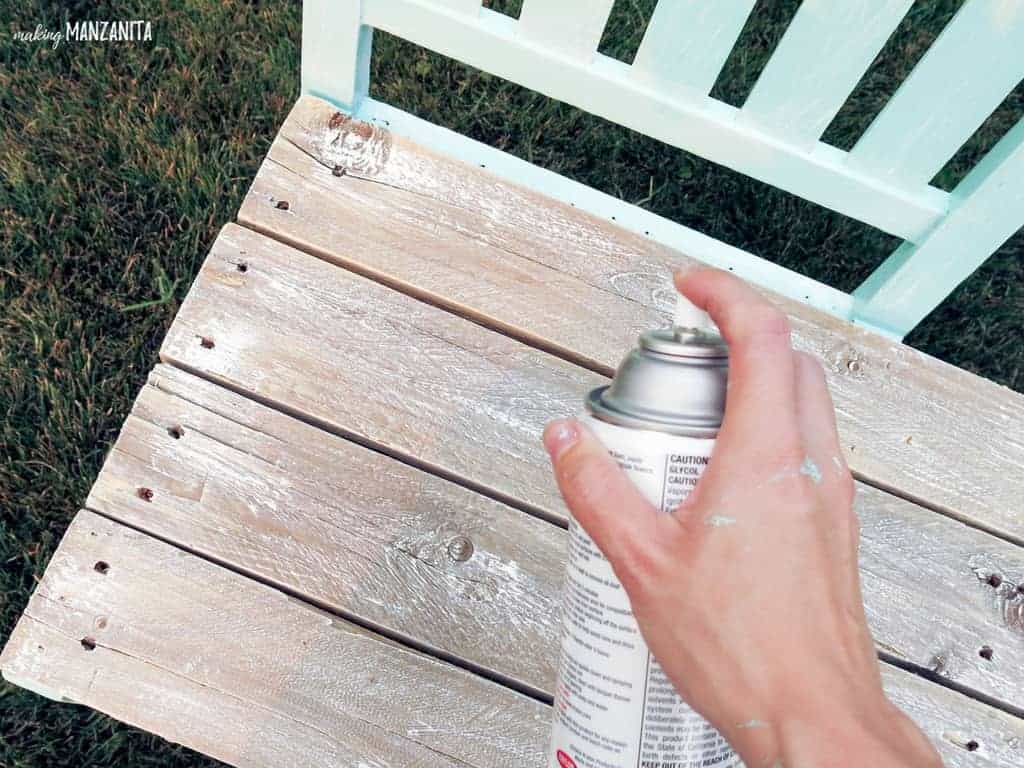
[328, 535]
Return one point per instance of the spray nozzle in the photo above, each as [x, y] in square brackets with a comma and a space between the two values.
[689, 317]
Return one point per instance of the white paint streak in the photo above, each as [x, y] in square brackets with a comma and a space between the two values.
[754, 723]
[811, 470]
[717, 521]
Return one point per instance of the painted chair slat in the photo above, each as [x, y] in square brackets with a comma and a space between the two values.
[986, 209]
[336, 52]
[688, 41]
[705, 126]
[468, 7]
[968, 71]
[571, 27]
[823, 54]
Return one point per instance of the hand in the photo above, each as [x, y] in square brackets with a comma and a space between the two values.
[748, 595]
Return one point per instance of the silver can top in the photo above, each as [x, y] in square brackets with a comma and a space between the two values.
[673, 381]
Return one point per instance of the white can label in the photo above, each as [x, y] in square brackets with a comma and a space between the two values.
[614, 706]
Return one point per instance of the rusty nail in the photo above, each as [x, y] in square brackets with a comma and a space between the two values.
[282, 205]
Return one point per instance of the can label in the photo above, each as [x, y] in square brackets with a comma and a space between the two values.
[614, 706]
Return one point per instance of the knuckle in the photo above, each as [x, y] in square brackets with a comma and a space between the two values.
[767, 320]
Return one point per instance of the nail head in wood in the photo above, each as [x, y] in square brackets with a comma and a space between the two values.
[460, 549]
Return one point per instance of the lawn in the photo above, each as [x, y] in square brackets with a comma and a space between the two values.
[119, 163]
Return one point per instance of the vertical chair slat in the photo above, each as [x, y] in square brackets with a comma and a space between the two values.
[688, 41]
[826, 50]
[974, 64]
[572, 27]
[986, 209]
[335, 51]
[468, 7]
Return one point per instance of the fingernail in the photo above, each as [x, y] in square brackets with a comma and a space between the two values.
[561, 435]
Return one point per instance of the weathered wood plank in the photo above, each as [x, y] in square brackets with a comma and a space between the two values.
[215, 661]
[342, 525]
[207, 658]
[376, 365]
[436, 389]
[567, 281]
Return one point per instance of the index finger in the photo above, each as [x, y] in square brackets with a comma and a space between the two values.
[761, 402]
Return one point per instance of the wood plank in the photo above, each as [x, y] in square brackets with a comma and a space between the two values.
[570, 28]
[962, 78]
[687, 42]
[344, 526]
[822, 56]
[987, 208]
[215, 661]
[567, 281]
[413, 381]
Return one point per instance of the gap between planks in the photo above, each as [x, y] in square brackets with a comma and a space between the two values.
[581, 288]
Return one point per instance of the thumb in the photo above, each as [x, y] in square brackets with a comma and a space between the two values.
[601, 497]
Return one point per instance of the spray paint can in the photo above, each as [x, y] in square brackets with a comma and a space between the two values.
[614, 706]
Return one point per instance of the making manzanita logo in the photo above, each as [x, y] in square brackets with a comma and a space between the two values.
[89, 32]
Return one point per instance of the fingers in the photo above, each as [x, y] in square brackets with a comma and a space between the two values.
[600, 496]
[816, 415]
[761, 411]
[824, 465]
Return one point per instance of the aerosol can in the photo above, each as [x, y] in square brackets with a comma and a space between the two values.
[614, 706]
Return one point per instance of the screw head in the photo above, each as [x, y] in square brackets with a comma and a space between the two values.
[460, 549]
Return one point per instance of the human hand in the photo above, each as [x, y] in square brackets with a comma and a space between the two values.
[748, 595]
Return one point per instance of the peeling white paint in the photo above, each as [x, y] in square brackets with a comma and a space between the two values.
[811, 470]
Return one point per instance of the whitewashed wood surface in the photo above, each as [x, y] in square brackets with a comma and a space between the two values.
[568, 281]
[205, 657]
[430, 387]
[244, 673]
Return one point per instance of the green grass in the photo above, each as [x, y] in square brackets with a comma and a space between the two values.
[120, 163]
